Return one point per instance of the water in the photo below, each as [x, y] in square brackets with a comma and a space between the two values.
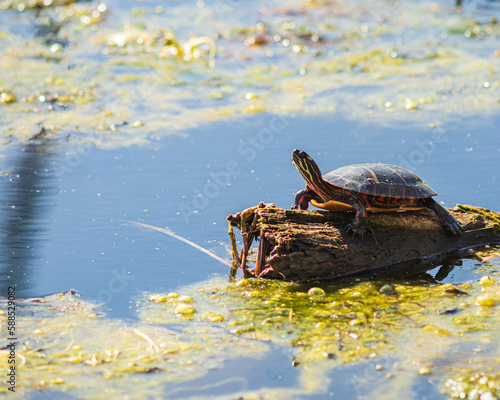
[69, 227]
[74, 207]
[66, 203]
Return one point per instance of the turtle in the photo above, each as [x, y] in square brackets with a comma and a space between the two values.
[366, 187]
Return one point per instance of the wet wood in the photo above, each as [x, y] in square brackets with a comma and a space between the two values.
[313, 245]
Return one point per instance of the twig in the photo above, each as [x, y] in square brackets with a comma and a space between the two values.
[152, 345]
[236, 260]
[189, 242]
[261, 255]
[247, 242]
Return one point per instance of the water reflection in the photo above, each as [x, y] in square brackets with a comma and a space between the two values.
[25, 189]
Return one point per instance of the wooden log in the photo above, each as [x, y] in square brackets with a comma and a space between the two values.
[306, 246]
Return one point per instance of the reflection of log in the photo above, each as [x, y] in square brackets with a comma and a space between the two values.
[313, 245]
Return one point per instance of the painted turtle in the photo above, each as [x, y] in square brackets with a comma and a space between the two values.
[366, 187]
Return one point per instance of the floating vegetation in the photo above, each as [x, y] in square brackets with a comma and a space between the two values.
[7, 96]
[492, 218]
[474, 385]
[474, 29]
[171, 73]
[351, 322]
[162, 43]
[21, 5]
[68, 344]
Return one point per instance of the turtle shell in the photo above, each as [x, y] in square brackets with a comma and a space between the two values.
[380, 180]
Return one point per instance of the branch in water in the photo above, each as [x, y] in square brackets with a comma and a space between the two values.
[189, 242]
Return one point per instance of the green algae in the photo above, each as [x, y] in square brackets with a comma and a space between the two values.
[492, 218]
[116, 67]
[474, 385]
[323, 328]
[68, 344]
[65, 344]
[22, 5]
[7, 97]
[347, 324]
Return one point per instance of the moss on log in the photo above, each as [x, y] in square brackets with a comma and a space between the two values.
[314, 245]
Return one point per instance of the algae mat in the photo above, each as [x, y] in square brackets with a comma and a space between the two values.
[395, 333]
[125, 73]
[118, 73]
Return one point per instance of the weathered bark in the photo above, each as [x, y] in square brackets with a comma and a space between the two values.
[314, 245]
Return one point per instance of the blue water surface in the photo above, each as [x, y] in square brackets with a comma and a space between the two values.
[66, 206]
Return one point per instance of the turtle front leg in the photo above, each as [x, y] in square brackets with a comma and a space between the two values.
[449, 222]
[303, 197]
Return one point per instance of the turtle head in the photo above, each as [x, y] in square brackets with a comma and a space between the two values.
[308, 169]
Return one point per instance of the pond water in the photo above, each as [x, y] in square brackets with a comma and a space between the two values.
[74, 232]
[172, 159]
[77, 201]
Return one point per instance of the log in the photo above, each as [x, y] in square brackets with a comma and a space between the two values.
[304, 246]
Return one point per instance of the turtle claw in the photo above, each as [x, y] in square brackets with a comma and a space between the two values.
[355, 230]
[455, 227]
[449, 222]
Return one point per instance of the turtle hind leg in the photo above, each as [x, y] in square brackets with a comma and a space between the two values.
[449, 222]
[302, 199]
[359, 224]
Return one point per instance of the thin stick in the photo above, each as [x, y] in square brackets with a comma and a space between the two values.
[152, 345]
[236, 259]
[248, 236]
[261, 254]
[189, 242]
[246, 247]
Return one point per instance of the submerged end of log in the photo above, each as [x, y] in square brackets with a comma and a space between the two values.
[303, 246]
